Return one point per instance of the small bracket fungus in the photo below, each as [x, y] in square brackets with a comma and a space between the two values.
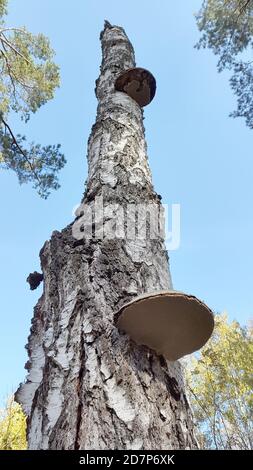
[172, 323]
[34, 279]
[138, 83]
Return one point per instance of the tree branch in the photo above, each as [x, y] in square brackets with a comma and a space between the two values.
[20, 149]
[11, 73]
[5, 40]
[20, 30]
[243, 7]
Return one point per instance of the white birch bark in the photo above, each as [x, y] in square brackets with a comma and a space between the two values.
[89, 386]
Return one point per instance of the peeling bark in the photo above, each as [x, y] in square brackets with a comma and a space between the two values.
[89, 386]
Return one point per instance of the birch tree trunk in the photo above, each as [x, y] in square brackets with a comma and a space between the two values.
[89, 386]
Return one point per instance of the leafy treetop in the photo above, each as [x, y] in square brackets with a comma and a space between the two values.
[220, 383]
[12, 427]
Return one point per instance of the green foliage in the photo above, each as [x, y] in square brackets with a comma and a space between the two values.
[12, 427]
[3, 10]
[220, 384]
[37, 164]
[28, 80]
[227, 29]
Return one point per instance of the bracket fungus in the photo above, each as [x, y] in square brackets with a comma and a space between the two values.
[170, 322]
[34, 279]
[138, 83]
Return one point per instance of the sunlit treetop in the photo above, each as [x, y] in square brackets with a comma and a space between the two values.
[220, 382]
[12, 427]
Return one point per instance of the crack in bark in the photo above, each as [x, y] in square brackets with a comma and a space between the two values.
[79, 393]
[172, 387]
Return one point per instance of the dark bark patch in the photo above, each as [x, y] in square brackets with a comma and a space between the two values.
[34, 280]
[172, 387]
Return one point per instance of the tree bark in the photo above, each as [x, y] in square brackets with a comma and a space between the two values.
[89, 386]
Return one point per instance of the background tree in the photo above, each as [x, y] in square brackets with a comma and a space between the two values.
[220, 382]
[12, 427]
[28, 80]
[227, 29]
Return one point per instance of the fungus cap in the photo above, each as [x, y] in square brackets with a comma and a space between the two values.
[172, 323]
[138, 83]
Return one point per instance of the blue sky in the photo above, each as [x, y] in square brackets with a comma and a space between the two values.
[199, 158]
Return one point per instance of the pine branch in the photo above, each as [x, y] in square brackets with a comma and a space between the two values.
[14, 140]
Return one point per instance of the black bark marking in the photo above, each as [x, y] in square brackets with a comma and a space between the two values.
[79, 394]
[172, 387]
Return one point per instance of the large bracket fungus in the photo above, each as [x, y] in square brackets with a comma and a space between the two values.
[172, 323]
[138, 83]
